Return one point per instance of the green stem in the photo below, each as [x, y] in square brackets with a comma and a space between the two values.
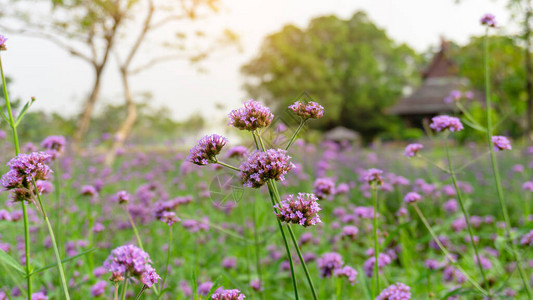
[226, 165]
[24, 209]
[465, 214]
[140, 293]
[139, 241]
[376, 245]
[495, 169]
[445, 251]
[168, 260]
[257, 249]
[124, 287]
[293, 138]
[54, 244]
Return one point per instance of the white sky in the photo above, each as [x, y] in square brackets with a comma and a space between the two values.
[60, 82]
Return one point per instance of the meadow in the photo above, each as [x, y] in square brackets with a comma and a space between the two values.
[276, 217]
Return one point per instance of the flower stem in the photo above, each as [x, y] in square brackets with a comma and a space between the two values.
[446, 253]
[376, 245]
[495, 169]
[293, 138]
[465, 213]
[124, 287]
[140, 293]
[227, 166]
[168, 260]
[54, 244]
[27, 240]
[257, 249]
[139, 241]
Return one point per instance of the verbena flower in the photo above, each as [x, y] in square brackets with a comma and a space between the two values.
[237, 152]
[369, 265]
[207, 149]
[121, 197]
[39, 296]
[328, 263]
[501, 143]
[256, 285]
[412, 197]
[374, 176]
[309, 110]
[455, 95]
[23, 169]
[347, 272]
[441, 123]
[324, 188]
[3, 40]
[412, 149]
[262, 166]
[98, 288]
[251, 116]
[488, 20]
[398, 291]
[54, 145]
[527, 239]
[129, 260]
[302, 209]
[228, 295]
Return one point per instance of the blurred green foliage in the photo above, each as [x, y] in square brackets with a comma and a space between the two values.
[350, 66]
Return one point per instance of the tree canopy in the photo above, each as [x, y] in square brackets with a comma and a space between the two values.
[350, 66]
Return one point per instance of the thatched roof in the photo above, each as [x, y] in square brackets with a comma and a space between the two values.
[339, 134]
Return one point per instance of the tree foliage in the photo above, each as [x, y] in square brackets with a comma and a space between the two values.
[350, 66]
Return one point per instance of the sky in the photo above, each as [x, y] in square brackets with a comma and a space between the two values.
[61, 82]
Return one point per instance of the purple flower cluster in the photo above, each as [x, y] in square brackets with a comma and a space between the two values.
[262, 166]
[54, 145]
[398, 291]
[527, 239]
[121, 197]
[412, 197]
[228, 295]
[133, 261]
[302, 209]
[374, 176]
[3, 40]
[237, 152]
[251, 117]
[488, 20]
[310, 110]
[23, 169]
[383, 260]
[441, 123]
[347, 272]
[412, 149]
[328, 263]
[324, 187]
[207, 149]
[501, 143]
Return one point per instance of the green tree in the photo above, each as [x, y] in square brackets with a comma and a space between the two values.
[350, 66]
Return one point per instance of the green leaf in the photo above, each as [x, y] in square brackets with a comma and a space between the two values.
[63, 261]
[9, 261]
[23, 111]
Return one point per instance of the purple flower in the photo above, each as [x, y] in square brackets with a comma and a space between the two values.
[132, 260]
[527, 239]
[262, 166]
[432, 264]
[207, 149]
[374, 176]
[310, 110]
[349, 231]
[328, 263]
[412, 149]
[256, 285]
[3, 40]
[89, 190]
[303, 210]
[528, 186]
[485, 262]
[501, 143]
[441, 123]
[228, 295]
[324, 187]
[398, 291]
[412, 197]
[98, 288]
[383, 260]
[54, 145]
[489, 20]
[347, 272]
[229, 263]
[121, 197]
[204, 288]
[251, 116]
[39, 296]
[23, 169]
[237, 152]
